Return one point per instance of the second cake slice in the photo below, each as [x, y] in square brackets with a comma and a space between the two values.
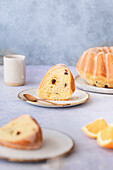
[21, 133]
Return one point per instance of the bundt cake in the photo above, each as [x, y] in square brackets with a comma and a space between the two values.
[96, 66]
[57, 84]
[21, 133]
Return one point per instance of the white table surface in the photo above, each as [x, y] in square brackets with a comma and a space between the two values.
[87, 155]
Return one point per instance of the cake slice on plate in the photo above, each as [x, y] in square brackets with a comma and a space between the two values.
[57, 84]
[21, 133]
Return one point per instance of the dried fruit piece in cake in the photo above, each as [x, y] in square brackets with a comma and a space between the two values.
[57, 84]
[21, 133]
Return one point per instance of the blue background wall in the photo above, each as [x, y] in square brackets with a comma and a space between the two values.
[54, 31]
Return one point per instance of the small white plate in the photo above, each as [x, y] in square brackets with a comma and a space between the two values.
[77, 98]
[55, 144]
[82, 84]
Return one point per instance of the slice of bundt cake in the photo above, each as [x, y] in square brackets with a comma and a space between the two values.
[96, 66]
[57, 84]
[21, 133]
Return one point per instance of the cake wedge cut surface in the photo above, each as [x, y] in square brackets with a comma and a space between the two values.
[21, 133]
[57, 84]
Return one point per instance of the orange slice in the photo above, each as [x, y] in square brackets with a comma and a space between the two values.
[94, 127]
[105, 137]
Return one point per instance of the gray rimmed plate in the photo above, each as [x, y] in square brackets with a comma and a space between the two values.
[77, 98]
[55, 144]
[81, 84]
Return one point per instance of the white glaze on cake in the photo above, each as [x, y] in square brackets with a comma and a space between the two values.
[90, 74]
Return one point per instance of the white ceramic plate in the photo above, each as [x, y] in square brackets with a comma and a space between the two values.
[81, 84]
[55, 144]
[78, 97]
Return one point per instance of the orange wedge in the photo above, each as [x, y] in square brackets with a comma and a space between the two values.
[94, 127]
[105, 137]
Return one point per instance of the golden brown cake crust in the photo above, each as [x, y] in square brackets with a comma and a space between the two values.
[31, 142]
[96, 66]
[72, 82]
